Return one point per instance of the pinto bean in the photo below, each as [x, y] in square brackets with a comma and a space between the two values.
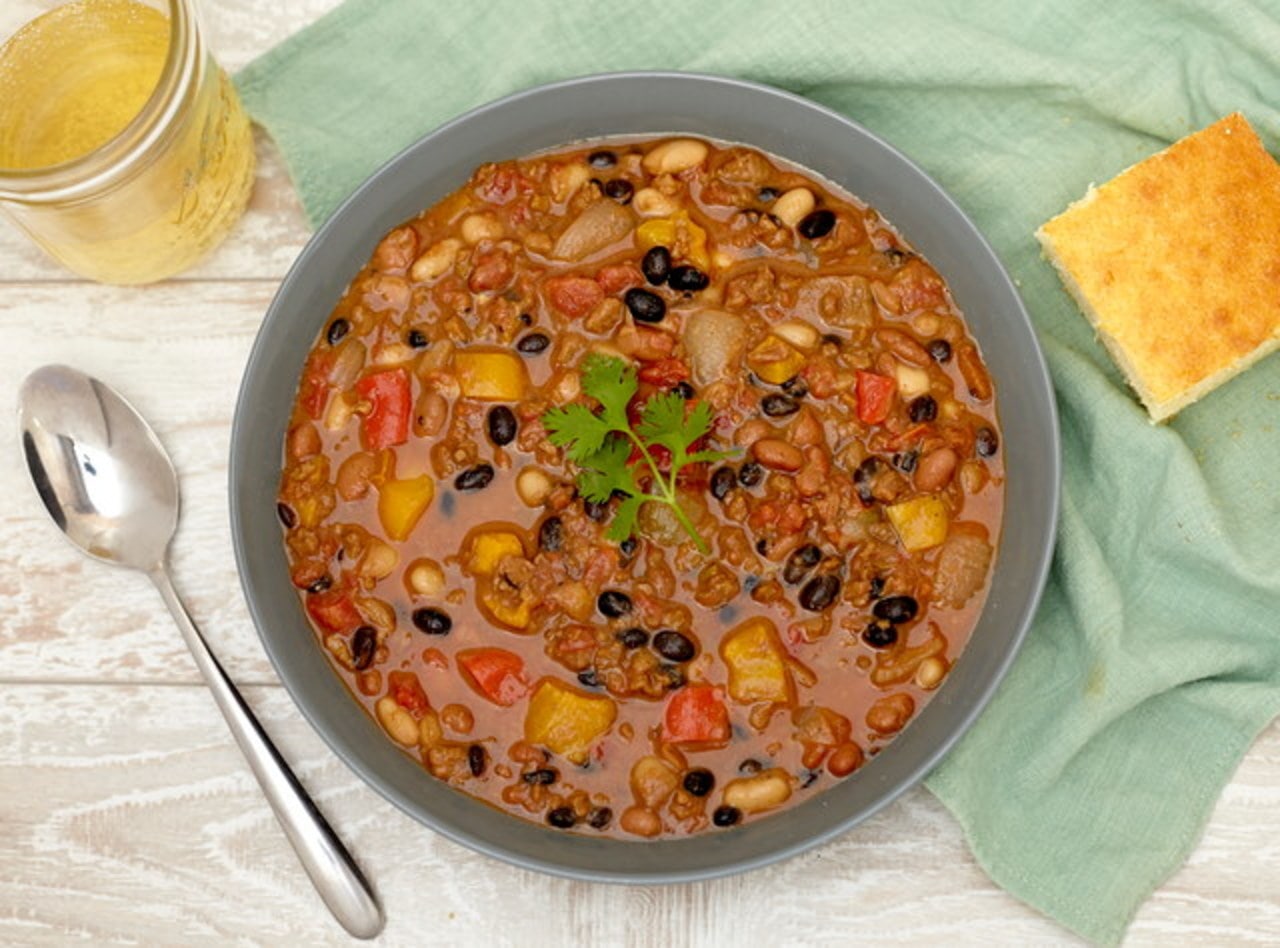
[935, 468]
[777, 455]
[974, 372]
[439, 258]
[891, 713]
[640, 822]
[430, 414]
[903, 346]
[845, 759]
[304, 441]
[355, 474]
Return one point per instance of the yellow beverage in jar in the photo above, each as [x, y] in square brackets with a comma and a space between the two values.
[85, 77]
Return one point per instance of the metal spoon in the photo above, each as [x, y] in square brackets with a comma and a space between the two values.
[109, 485]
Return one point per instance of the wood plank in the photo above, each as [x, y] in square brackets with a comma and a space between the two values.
[176, 350]
[147, 827]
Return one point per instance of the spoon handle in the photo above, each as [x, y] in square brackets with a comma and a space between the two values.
[332, 870]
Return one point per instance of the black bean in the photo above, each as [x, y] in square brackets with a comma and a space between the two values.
[723, 480]
[800, 562]
[726, 815]
[750, 766]
[905, 461]
[599, 817]
[364, 642]
[673, 646]
[684, 390]
[613, 603]
[879, 636]
[940, 350]
[321, 584]
[809, 778]
[543, 776]
[551, 535]
[699, 781]
[779, 406]
[675, 675]
[986, 442]
[337, 329]
[634, 637]
[432, 621]
[896, 255]
[750, 474]
[656, 265]
[877, 587]
[589, 678]
[832, 339]
[286, 515]
[796, 387]
[762, 546]
[501, 422]
[602, 159]
[767, 195]
[476, 759]
[596, 510]
[562, 817]
[645, 306]
[820, 592]
[686, 279]
[896, 609]
[620, 190]
[628, 547]
[817, 224]
[418, 339]
[864, 476]
[533, 343]
[526, 319]
[923, 408]
[476, 477]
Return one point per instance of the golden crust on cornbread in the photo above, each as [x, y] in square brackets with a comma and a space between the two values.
[1176, 262]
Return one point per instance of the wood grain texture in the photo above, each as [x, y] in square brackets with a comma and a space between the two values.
[128, 817]
[148, 828]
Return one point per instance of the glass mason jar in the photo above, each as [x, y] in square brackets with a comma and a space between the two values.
[156, 194]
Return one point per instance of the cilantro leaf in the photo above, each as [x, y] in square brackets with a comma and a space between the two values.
[604, 444]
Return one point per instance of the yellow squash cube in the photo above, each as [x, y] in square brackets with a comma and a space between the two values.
[775, 360]
[920, 522]
[491, 375]
[566, 721]
[487, 548]
[757, 663]
[401, 504]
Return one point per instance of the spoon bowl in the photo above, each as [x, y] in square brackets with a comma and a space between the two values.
[110, 487]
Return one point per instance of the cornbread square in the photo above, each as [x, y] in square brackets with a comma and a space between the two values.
[1176, 262]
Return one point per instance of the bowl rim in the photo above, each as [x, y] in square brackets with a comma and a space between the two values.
[976, 700]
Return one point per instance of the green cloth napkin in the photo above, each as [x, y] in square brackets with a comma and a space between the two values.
[1154, 660]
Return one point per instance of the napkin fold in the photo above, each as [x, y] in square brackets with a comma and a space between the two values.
[1154, 660]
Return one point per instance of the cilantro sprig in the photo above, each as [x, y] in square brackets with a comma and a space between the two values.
[601, 443]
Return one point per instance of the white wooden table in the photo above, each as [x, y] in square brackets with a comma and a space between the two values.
[127, 814]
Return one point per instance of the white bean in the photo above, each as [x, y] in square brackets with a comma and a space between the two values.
[793, 206]
[396, 721]
[764, 791]
[534, 486]
[674, 156]
[478, 227]
[439, 257]
[650, 202]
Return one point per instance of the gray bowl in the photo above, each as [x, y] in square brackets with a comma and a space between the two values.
[630, 104]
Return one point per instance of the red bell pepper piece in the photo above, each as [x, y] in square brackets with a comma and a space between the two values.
[696, 715]
[387, 423]
[334, 610]
[495, 673]
[406, 690]
[875, 396]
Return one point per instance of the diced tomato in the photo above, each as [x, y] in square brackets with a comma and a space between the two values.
[875, 397]
[696, 714]
[665, 373]
[503, 184]
[387, 423]
[334, 610]
[495, 673]
[406, 690]
[572, 295]
[315, 383]
[617, 277]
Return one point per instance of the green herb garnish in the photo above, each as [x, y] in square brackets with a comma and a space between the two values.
[601, 443]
